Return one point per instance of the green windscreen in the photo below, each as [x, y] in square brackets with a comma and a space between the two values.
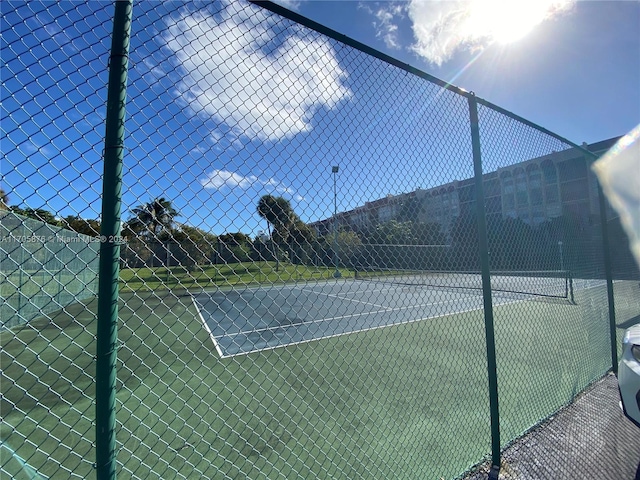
[43, 268]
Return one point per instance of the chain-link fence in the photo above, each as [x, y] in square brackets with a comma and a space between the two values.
[330, 265]
[43, 268]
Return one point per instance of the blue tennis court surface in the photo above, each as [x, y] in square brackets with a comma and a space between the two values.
[253, 319]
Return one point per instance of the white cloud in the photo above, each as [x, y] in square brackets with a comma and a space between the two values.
[219, 179]
[52, 29]
[224, 179]
[290, 4]
[60, 36]
[30, 147]
[237, 69]
[442, 28]
[386, 22]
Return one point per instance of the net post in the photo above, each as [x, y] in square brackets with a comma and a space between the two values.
[571, 295]
[109, 265]
[486, 286]
[21, 279]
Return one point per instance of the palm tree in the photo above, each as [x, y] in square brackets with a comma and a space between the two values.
[154, 216]
[278, 213]
[151, 220]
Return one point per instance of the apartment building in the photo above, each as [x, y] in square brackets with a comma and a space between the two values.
[534, 191]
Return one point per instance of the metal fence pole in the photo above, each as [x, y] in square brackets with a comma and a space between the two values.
[486, 290]
[109, 267]
[606, 259]
[609, 277]
[336, 257]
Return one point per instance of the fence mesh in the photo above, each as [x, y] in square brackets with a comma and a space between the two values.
[44, 268]
[267, 166]
[548, 218]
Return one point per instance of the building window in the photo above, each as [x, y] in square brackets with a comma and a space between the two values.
[553, 211]
[455, 204]
[508, 197]
[467, 193]
[522, 197]
[385, 214]
[549, 172]
[576, 190]
[551, 194]
[572, 169]
[550, 175]
[493, 205]
[492, 187]
[535, 185]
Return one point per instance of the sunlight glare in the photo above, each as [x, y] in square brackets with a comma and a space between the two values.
[507, 21]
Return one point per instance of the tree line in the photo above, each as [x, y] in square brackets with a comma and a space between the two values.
[154, 238]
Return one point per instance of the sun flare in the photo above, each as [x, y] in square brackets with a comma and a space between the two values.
[507, 21]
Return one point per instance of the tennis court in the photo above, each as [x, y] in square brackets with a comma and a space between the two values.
[241, 321]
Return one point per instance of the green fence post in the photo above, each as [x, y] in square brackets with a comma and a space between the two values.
[486, 291]
[109, 266]
[609, 277]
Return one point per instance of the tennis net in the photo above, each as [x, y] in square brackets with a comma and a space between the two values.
[547, 283]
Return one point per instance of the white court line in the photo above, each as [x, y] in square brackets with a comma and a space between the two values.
[385, 310]
[346, 299]
[330, 319]
[213, 338]
[585, 283]
[362, 314]
[333, 295]
[377, 327]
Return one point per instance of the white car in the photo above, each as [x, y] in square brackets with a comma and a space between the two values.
[629, 374]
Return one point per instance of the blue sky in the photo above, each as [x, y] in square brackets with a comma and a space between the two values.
[576, 73]
[227, 103]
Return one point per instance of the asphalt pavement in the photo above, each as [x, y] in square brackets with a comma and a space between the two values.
[589, 439]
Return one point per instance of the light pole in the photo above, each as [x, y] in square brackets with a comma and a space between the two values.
[561, 256]
[334, 170]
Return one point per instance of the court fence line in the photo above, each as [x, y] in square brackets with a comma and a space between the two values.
[241, 115]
